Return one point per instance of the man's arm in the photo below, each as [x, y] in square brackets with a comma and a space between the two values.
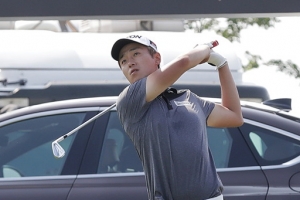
[228, 114]
[164, 77]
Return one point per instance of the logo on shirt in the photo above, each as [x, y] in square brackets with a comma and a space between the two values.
[182, 103]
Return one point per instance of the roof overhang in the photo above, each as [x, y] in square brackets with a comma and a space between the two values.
[143, 9]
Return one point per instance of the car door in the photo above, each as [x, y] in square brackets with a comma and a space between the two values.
[28, 167]
[278, 152]
[111, 168]
[238, 170]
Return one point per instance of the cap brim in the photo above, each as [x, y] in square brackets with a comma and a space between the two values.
[119, 44]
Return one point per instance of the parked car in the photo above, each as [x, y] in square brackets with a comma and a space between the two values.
[259, 160]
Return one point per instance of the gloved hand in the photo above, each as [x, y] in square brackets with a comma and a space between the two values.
[216, 60]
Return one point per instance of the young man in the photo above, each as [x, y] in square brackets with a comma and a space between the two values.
[168, 127]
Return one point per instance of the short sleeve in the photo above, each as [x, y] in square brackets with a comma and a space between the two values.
[131, 103]
[206, 106]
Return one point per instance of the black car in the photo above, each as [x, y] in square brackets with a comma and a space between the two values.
[259, 160]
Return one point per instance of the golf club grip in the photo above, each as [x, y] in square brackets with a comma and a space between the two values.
[214, 43]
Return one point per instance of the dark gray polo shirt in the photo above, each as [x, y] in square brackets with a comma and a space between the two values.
[172, 143]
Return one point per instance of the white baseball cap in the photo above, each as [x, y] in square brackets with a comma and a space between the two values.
[119, 44]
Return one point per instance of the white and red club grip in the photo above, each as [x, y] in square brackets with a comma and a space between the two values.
[214, 43]
[211, 44]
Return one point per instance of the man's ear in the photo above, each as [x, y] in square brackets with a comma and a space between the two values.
[157, 58]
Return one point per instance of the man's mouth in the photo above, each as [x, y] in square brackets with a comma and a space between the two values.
[133, 71]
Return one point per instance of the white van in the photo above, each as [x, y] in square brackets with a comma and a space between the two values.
[38, 66]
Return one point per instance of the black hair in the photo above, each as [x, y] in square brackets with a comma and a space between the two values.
[152, 52]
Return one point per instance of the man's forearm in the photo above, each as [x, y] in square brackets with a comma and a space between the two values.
[229, 92]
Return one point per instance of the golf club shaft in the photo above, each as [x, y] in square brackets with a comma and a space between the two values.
[85, 123]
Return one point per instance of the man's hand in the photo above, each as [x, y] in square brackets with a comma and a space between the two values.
[216, 60]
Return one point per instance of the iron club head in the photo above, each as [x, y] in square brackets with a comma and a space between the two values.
[57, 150]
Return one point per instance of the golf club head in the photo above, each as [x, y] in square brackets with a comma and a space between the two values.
[57, 150]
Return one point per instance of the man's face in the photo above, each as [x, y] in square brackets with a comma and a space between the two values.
[136, 62]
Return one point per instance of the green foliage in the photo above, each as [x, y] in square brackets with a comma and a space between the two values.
[253, 61]
[233, 25]
[288, 67]
[201, 24]
[231, 29]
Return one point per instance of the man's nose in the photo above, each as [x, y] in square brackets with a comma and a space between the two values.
[131, 62]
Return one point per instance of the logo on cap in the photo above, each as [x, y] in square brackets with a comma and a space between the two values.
[152, 43]
[134, 36]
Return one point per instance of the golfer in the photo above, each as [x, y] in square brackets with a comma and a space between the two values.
[168, 127]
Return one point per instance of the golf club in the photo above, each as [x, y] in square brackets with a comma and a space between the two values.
[57, 150]
[212, 43]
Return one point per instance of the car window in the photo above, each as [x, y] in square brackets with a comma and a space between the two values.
[25, 147]
[118, 153]
[269, 146]
[228, 148]
[220, 143]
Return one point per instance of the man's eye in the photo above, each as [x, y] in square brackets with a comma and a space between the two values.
[136, 53]
[123, 61]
